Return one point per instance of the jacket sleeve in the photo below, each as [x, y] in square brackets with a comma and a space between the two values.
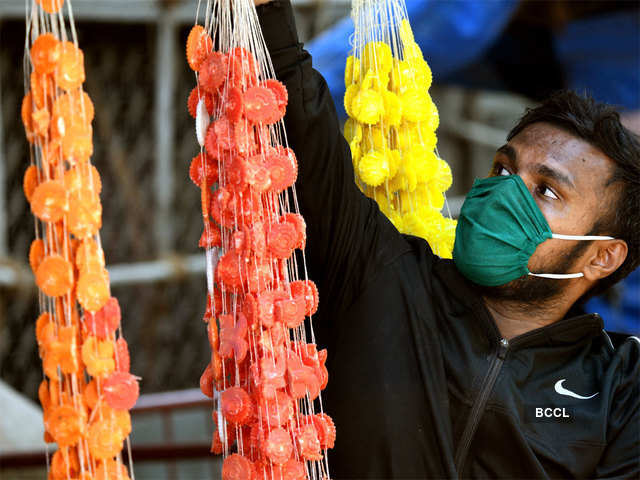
[347, 236]
[621, 458]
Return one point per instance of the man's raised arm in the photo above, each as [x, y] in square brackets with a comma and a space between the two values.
[348, 237]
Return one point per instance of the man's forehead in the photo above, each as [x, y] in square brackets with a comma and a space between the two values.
[548, 144]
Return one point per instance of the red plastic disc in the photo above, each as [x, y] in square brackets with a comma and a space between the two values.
[280, 92]
[121, 390]
[308, 290]
[105, 321]
[234, 106]
[294, 470]
[308, 442]
[210, 236]
[245, 139]
[243, 69]
[302, 378]
[237, 467]
[236, 405]
[326, 430]
[271, 376]
[290, 311]
[195, 96]
[214, 305]
[299, 224]
[123, 360]
[283, 168]
[258, 175]
[229, 270]
[213, 71]
[281, 239]
[261, 105]
[202, 166]
[278, 446]
[276, 411]
[206, 381]
[233, 337]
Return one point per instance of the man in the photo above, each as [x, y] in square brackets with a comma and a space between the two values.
[473, 368]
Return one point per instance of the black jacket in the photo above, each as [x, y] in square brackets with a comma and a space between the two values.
[421, 384]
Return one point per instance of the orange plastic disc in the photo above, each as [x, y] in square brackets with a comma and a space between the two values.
[85, 213]
[54, 276]
[49, 201]
[40, 119]
[83, 176]
[52, 153]
[89, 256]
[93, 289]
[199, 45]
[64, 464]
[71, 108]
[50, 360]
[120, 419]
[26, 111]
[97, 355]
[104, 440]
[45, 53]
[77, 144]
[90, 394]
[42, 89]
[111, 469]
[67, 349]
[70, 71]
[36, 254]
[66, 424]
[45, 329]
[43, 395]
[51, 6]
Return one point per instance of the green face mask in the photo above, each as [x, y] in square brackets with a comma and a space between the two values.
[499, 228]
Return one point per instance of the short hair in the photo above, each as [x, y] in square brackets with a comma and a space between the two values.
[599, 124]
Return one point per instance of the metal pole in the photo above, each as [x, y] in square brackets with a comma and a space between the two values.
[17, 275]
[164, 128]
[4, 214]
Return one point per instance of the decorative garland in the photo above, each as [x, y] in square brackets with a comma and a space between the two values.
[392, 123]
[265, 372]
[87, 390]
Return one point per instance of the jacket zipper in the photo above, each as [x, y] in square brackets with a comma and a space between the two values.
[478, 406]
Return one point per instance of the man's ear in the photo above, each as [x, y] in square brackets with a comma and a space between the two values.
[606, 259]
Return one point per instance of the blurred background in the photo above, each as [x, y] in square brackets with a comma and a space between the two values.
[490, 60]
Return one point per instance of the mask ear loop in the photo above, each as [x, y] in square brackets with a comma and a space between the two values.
[579, 237]
[557, 275]
[569, 237]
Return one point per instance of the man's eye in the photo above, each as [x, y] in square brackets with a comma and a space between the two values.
[500, 170]
[547, 192]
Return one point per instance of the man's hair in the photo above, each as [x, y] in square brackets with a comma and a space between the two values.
[599, 124]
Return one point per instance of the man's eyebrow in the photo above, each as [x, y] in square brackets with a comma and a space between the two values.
[553, 174]
[510, 152]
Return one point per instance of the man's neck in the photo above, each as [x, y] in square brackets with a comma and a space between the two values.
[514, 318]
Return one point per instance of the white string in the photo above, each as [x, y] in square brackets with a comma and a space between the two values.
[560, 276]
[580, 237]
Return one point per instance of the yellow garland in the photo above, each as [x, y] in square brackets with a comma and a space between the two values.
[391, 133]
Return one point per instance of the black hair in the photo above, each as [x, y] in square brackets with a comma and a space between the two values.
[599, 124]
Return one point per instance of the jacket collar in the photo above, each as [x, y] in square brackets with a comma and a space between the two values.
[575, 327]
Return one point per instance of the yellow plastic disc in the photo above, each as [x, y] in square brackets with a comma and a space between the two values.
[373, 168]
[367, 106]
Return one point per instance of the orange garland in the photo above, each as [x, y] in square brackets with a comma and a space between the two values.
[87, 390]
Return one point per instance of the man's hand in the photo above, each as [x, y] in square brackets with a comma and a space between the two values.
[260, 2]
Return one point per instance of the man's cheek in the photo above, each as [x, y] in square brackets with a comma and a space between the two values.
[544, 256]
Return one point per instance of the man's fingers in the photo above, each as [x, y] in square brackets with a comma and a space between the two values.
[260, 2]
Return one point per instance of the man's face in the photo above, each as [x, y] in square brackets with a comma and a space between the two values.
[567, 178]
